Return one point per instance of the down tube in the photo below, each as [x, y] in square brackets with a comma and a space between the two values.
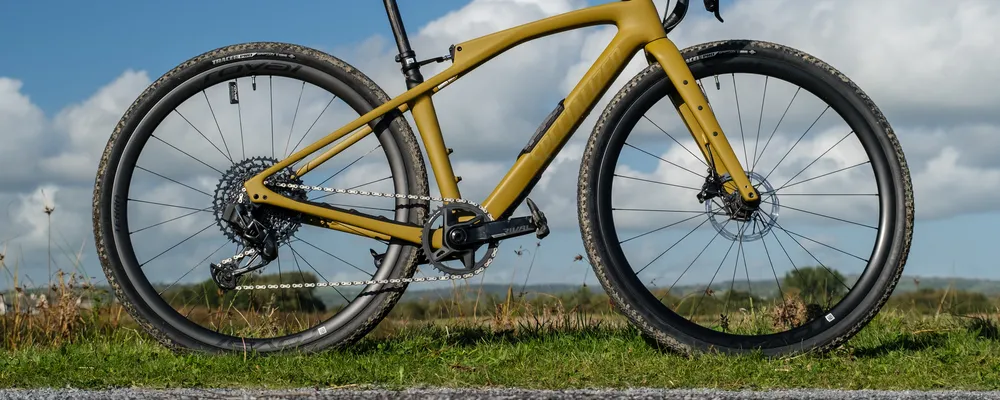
[577, 105]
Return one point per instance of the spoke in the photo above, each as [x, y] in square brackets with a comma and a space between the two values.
[192, 268]
[811, 254]
[664, 227]
[659, 210]
[757, 157]
[312, 125]
[746, 268]
[824, 216]
[170, 220]
[296, 256]
[349, 165]
[783, 249]
[760, 120]
[829, 194]
[226, 145]
[239, 113]
[175, 181]
[331, 255]
[657, 182]
[186, 153]
[675, 140]
[773, 271]
[295, 116]
[302, 275]
[203, 136]
[796, 143]
[789, 233]
[671, 247]
[717, 234]
[178, 244]
[736, 265]
[280, 280]
[369, 183]
[739, 115]
[709, 287]
[270, 96]
[820, 176]
[661, 159]
[817, 158]
[166, 205]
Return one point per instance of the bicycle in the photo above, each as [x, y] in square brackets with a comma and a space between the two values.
[261, 203]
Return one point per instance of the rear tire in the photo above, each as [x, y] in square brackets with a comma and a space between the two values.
[666, 326]
[110, 221]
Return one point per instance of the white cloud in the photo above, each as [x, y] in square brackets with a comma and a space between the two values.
[923, 64]
[87, 126]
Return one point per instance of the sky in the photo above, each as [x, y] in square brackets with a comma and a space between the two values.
[70, 70]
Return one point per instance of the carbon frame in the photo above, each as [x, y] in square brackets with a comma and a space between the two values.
[639, 27]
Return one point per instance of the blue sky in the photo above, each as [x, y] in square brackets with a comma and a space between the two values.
[77, 47]
[63, 52]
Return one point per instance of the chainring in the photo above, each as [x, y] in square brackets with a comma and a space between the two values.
[283, 223]
[445, 253]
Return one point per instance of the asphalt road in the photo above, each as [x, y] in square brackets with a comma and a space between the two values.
[481, 394]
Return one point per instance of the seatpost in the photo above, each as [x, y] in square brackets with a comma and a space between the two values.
[407, 57]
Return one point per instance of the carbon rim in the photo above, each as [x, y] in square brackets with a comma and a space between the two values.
[622, 271]
[339, 325]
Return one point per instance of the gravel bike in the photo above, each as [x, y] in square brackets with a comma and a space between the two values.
[261, 197]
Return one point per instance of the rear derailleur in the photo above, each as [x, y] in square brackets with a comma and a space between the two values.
[260, 241]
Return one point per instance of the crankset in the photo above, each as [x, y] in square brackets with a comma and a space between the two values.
[462, 238]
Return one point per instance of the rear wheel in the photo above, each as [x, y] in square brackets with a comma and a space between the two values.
[179, 157]
[772, 278]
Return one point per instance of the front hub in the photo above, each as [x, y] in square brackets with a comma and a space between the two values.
[755, 220]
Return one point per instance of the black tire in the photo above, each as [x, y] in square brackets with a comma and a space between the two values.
[131, 286]
[665, 326]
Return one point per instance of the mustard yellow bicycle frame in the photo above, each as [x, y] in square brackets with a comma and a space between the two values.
[639, 27]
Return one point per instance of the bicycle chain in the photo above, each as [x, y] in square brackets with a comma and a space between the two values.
[250, 252]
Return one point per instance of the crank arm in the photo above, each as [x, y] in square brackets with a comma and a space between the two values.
[493, 231]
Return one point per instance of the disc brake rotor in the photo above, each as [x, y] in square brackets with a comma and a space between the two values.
[761, 220]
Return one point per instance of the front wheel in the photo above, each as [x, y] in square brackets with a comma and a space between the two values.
[807, 268]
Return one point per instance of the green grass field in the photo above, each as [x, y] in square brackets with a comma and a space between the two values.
[897, 351]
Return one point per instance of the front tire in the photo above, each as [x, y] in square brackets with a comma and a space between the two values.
[825, 330]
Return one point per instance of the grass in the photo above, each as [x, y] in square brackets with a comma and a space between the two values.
[919, 341]
[897, 351]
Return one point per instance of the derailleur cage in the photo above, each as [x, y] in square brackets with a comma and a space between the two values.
[257, 236]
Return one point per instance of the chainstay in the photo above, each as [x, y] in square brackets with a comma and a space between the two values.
[250, 252]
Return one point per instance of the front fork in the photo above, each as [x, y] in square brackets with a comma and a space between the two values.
[700, 120]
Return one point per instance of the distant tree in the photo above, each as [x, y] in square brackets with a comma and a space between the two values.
[816, 283]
